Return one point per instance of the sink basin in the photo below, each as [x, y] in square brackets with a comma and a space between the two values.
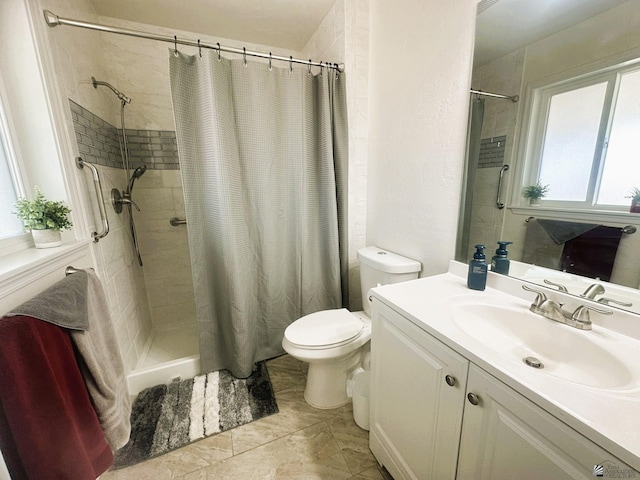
[580, 357]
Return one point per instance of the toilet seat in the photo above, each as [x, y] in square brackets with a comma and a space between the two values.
[323, 329]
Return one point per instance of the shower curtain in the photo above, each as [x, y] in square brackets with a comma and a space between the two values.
[263, 159]
[474, 136]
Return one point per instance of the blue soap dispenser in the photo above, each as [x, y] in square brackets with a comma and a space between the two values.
[500, 261]
[477, 278]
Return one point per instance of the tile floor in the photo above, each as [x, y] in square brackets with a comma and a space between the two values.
[299, 442]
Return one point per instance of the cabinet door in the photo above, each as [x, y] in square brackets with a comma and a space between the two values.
[416, 415]
[505, 436]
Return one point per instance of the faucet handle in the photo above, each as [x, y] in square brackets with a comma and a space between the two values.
[609, 301]
[539, 300]
[581, 314]
[561, 288]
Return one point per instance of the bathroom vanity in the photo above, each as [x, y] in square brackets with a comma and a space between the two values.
[452, 395]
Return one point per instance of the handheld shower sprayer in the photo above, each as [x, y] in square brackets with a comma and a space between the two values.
[137, 173]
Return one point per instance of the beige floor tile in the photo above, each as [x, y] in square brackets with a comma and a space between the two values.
[373, 473]
[178, 463]
[286, 372]
[311, 453]
[294, 414]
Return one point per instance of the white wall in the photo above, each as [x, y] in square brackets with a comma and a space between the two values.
[343, 37]
[421, 54]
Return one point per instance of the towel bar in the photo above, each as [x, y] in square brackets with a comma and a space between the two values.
[70, 270]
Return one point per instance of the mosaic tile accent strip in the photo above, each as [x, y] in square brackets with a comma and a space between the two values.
[492, 152]
[99, 143]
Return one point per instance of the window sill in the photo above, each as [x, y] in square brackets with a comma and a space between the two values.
[20, 269]
[568, 214]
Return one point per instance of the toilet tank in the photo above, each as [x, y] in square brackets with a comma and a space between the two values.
[381, 267]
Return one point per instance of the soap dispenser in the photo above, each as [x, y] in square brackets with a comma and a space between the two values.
[477, 278]
[500, 262]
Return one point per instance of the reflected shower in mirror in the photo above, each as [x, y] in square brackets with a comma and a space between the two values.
[522, 45]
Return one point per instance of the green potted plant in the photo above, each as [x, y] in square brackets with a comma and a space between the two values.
[535, 192]
[634, 195]
[44, 218]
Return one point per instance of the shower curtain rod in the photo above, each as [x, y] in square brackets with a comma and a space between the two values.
[54, 20]
[513, 98]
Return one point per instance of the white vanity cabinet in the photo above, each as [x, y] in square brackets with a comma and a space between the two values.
[506, 436]
[417, 399]
[478, 428]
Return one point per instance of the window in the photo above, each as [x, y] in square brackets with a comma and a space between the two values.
[10, 226]
[585, 140]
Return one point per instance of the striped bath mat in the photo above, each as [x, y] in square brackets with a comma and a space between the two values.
[166, 417]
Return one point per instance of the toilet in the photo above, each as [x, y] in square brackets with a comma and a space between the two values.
[336, 342]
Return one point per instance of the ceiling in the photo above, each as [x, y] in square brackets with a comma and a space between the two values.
[503, 26]
[277, 23]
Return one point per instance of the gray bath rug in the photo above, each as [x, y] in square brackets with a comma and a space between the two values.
[166, 417]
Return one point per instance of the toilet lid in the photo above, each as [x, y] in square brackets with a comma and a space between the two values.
[324, 328]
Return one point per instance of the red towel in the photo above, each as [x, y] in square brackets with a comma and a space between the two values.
[48, 427]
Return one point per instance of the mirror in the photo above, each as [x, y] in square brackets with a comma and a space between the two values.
[521, 44]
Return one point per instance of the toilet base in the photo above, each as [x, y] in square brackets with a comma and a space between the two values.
[327, 381]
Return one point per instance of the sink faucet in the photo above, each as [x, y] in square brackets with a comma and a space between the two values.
[553, 311]
[592, 291]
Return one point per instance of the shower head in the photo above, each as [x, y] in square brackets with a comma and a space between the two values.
[118, 93]
[137, 173]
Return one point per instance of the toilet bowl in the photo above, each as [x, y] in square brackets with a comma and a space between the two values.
[331, 342]
[335, 342]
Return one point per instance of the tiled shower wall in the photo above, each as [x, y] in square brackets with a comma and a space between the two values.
[158, 193]
[343, 36]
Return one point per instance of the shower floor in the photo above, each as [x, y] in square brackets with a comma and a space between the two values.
[173, 354]
[168, 345]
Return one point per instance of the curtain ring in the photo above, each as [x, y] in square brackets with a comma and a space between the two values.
[270, 61]
[321, 68]
[290, 64]
[175, 45]
[244, 56]
[199, 49]
[335, 66]
[309, 68]
[218, 44]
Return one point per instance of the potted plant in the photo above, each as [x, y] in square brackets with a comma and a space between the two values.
[535, 192]
[634, 195]
[44, 218]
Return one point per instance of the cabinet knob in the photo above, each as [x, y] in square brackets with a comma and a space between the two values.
[473, 398]
[451, 381]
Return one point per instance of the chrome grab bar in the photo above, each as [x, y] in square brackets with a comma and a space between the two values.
[500, 204]
[175, 221]
[80, 163]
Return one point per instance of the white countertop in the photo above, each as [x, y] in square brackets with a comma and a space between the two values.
[609, 417]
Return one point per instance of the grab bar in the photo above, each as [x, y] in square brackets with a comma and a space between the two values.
[175, 221]
[98, 186]
[498, 202]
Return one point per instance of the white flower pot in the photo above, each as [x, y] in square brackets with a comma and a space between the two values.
[46, 238]
[534, 201]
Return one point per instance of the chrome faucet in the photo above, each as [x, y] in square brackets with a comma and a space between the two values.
[553, 311]
[592, 291]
